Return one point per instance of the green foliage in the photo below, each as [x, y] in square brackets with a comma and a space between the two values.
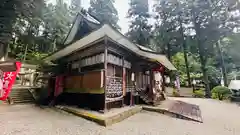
[42, 32]
[220, 92]
[104, 11]
[166, 32]
[11, 11]
[139, 29]
[199, 93]
[57, 21]
[195, 68]
[204, 23]
[179, 62]
[75, 7]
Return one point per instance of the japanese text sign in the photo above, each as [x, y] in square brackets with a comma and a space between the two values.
[8, 81]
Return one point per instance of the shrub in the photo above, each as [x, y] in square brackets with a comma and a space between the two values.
[220, 92]
[198, 93]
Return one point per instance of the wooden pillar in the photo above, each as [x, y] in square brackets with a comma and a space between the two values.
[123, 80]
[151, 83]
[105, 72]
[163, 83]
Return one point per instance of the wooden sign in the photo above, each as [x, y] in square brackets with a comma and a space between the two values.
[8, 66]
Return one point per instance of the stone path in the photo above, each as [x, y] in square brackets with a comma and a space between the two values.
[219, 118]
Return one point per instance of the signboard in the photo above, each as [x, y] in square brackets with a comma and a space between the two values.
[7, 66]
[8, 81]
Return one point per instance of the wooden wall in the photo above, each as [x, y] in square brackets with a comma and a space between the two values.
[91, 82]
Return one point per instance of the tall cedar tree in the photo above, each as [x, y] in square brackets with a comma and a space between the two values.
[10, 10]
[139, 29]
[75, 7]
[212, 20]
[104, 11]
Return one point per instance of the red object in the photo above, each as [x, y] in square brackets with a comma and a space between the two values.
[58, 85]
[160, 69]
[9, 80]
[124, 81]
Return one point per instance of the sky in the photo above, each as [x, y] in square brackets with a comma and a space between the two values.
[121, 5]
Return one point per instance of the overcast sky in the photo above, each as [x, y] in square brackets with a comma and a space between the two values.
[121, 5]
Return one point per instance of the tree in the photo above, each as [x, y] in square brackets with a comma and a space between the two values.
[10, 11]
[197, 25]
[75, 8]
[170, 18]
[41, 33]
[57, 20]
[104, 11]
[212, 21]
[140, 30]
[179, 61]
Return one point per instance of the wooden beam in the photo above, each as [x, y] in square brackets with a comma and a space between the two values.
[123, 80]
[163, 83]
[105, 71]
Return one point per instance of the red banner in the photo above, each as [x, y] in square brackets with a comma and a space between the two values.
[58, 85]
[8, 81]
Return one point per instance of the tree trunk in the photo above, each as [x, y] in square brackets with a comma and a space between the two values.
[203, 58]
[25, 53]
[169, 51]
[2, 51]
[184, 50]
[205, 78]
[222, 63]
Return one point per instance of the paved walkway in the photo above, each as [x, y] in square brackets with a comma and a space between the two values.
[219, 118]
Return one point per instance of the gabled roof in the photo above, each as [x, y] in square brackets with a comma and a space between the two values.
[145, 48]
[80, 19]
[110, 32]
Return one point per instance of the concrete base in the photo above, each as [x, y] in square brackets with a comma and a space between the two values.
[105, 119]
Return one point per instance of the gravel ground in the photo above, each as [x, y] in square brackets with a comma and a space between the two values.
[219, 118]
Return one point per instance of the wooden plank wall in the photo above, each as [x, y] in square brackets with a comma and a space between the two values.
[87, 83]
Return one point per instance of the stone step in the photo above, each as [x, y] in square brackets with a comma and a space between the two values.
[23, 101]
[21, 96]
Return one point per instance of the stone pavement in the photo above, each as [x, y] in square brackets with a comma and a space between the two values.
[108, 118]
[220, 118]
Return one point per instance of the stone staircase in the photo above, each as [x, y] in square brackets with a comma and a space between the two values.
[21, 96]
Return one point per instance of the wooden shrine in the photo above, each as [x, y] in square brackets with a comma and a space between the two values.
[103, 69]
